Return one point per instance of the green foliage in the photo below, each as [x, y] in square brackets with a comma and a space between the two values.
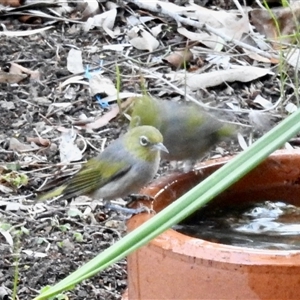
[78, 237]
[14, 179]
[64, 227]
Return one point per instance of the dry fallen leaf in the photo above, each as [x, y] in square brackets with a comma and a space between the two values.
[16, 145]
[266, 104]
[258, 57]
[11, 78]
[293, 57]
[74, 61]
[242, 142]
[169, 6]
[62, 7]
[8, 105]
[157, 30]
[179, 58]
[39, 141]
[78, 79]
[5, 189]
[122, 95]
[68, 150]
[8, 238]
[227, 23]
[12, 3]
[101, 85]
[238, 73]
[105, 20]
[91, 8]
[31, 19]
[291, 108]
[287, 18]
[24, 33]
[103, 120]
[209, 40]
[142, 39]
[18, 69]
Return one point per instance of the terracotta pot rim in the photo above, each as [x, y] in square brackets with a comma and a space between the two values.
[181, 244]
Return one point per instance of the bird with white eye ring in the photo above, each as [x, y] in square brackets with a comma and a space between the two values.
[123, 168]
[188, 131]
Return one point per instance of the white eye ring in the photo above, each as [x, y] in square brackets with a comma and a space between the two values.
[144, 141]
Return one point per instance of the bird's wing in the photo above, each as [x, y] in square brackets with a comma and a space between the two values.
[53, 193]
[97, 172]
[94, 175]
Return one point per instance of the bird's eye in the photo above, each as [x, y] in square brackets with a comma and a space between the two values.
[144, 141]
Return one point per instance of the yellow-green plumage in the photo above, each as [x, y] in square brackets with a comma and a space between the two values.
[124, 167]
[187, 130]
[54, 193]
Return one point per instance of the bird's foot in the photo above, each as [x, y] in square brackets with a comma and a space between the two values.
[137, 197]
[128, 210]
[131, 199]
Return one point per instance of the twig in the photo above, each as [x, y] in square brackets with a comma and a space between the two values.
[201, 26]
[109, 64]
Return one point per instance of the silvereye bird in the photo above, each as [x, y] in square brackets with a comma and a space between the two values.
[123, 168]
[187, 130]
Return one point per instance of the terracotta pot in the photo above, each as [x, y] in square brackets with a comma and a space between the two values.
[176, 266]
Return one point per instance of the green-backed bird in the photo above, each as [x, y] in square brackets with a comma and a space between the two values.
[187, 130]
[123, 168]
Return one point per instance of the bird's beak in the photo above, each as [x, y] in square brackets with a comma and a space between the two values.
[161, 147]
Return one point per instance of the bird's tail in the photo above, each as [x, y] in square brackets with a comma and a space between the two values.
[53, 193]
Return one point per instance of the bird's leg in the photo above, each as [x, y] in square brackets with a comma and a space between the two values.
[133, 198]
[137, 197]
[127, 210]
